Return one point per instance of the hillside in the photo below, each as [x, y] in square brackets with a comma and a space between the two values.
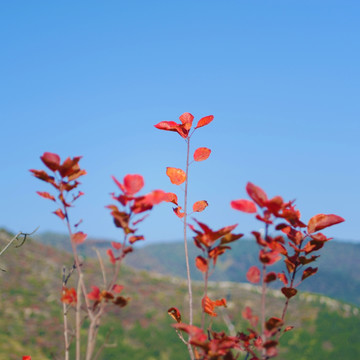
[30, 312]
[338, 275]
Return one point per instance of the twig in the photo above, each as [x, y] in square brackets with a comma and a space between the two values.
[78, 318]
[20, 233]
[186, 247]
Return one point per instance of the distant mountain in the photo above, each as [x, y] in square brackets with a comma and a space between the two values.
[338, 276]
[31, 318]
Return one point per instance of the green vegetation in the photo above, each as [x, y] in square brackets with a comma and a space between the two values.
[30, 311]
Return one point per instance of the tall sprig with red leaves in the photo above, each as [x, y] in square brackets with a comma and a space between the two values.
[134, 209]
[178, 177]
[295, 247]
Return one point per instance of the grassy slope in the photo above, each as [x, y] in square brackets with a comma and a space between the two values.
[30, 313]
[338, 275]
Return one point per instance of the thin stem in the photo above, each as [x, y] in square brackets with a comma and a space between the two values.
[186, 247]
[16, 238]
[66, 331]
[263, 297]
[78, 319]
[77, 263]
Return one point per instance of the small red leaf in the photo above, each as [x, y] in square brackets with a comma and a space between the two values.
[257, 194]
[247, 314]
[175, 314]
[134, 238]
[253, 275]
[289, 292]
[209, 306]
[94, 294]
[117, 288]
[201, 154]
[187, 120]
[78, 237]
[177, 176]
[273, 323]
[121, 301]
[51, 160]
[178, 212]
[201, 264]
[288, 328]
[283, 278]
[60, 214]
[322, 221]
[308, 272]
[171, 197]
[133, 184]
[45, 195]
[116, 245]
[200, 206]
[271, 276]
[167, 125]
[244, 205]
[111, 256]
[204, 121]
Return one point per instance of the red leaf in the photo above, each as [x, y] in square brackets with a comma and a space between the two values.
[51, 160]
[247, 314]
[177, 176]
[167, 125]
[171, 197]
[134, 238]
[173, 126]
[273, 323]
[117, 288]
[200, 206]
[46, 195]
[209, 306]
[289, 292]
[26, 357]
[140, 220]
[78, 237]
[201, 264]
[111, 256]
[204, 121]
[257, 194]
[175, 314]
[94, 294]
[187, 120]
[322, 221]
[116, 245]
[69, 296]
[42, 175]
[244, 205]
[283, 278]
[121, 301]
[133, 184]
[201, 154]
[271, 276]
[178, 212]
[60, 214]
[308, 272]
[253, 275]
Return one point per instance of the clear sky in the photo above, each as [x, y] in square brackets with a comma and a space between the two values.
[91, 78]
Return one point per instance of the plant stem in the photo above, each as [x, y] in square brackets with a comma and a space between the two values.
[263, 297]
[185, 245]
[78, 318]
[66, 335]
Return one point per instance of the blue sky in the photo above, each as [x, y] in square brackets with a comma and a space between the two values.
[91, 78]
